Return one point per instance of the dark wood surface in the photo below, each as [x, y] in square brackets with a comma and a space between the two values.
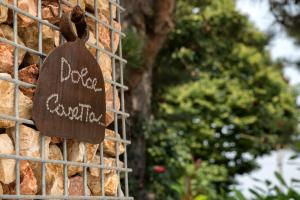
[59, 88]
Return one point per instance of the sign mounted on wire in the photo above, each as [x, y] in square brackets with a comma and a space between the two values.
[70, 97]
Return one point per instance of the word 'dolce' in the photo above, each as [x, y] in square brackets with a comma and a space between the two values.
[81, 112]
[66, 73]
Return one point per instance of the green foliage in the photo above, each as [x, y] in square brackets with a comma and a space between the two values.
[218, 97]
[197, 182]
[271, 191]
[133, 47]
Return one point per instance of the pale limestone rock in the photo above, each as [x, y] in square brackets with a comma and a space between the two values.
[1, 189]
[30, 7]
[108, 162]
[93, 41]
[116, 38]
[104, 32]
[103, 7]
[7, 166]
[28, 185]
[110, 185]
[54, 172]
[6, 58]
[94, 171]
[54, 169]
[54, 177]
[55, 187]
[9, 188]
[30, 37]
[29, 74]
[3, 12]
[29, 141]
[7, 90]
[56, 38]
[76, 153]
[7, 51]
[105, 65]
[76, 187]
[56, 140]
[91, 150]
[109, 117]
[50, 11]
[81, 3]
[109, 146]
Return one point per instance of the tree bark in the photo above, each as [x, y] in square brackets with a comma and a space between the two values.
[153, 19]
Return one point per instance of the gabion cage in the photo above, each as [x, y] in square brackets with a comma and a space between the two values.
[42, 171]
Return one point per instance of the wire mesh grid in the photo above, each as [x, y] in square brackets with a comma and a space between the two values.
[117, 82]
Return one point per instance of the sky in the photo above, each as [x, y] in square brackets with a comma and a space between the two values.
[281, 46]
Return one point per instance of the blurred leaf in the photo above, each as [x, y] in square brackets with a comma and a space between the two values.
[280, 178]
[239, 195]
[201, 197]
[293, 157]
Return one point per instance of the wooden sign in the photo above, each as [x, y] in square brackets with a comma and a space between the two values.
[70, 97]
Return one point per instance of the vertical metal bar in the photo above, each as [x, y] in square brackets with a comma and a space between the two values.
[40, 50]
[115, 92]
[97, 57]
[17, 97]
[65, 155]
[85, 171]
[65, 152]
[123, 106]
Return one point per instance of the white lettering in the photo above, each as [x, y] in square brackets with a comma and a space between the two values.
[66, 73]
[82, 112]
[64, 63]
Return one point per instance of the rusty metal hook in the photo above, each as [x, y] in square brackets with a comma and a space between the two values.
[78, 18]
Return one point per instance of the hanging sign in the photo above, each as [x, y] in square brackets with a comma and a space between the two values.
[70, 96]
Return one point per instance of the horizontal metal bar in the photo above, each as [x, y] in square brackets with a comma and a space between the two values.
[17, 82]
[15, 8]
[105, 24]
[118, 140]
[4, 40]
[27, 121]
[118, 112]
[116, 83]
[17, 119]
[108, 53]
[63, 197]
[62, 162]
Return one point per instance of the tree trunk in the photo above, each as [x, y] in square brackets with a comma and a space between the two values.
[154, 20]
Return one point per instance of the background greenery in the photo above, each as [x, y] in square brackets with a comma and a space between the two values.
[218, 102]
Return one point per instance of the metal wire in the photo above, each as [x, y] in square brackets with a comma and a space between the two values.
[118, 90]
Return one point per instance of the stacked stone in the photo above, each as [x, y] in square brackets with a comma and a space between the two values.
[29, 137]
